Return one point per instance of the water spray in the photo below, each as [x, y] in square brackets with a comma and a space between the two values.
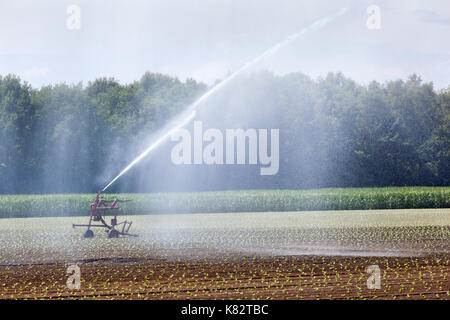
[153, 146]
[192, 109]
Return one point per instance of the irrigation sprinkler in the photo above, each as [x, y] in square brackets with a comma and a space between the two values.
[99, 207]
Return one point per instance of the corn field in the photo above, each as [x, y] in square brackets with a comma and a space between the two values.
[232, 201]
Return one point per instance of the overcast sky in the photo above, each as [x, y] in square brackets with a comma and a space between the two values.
[206, 39]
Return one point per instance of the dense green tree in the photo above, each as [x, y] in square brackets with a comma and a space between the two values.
[333, 133]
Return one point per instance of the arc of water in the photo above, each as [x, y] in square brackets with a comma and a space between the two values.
[191, 111]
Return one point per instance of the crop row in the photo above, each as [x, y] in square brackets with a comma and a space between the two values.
[232, 201]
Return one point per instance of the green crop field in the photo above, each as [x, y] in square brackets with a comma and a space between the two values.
[263, 255]
[403, 232]
[12, 206]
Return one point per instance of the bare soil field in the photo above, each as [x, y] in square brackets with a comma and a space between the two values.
[308, 277]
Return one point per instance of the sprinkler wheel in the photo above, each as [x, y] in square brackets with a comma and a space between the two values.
[88, 234]
[113, 233]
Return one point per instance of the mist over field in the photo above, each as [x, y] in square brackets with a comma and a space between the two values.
[334, 132]
[358, 102]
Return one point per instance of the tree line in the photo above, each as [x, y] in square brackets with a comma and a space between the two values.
[334, 132]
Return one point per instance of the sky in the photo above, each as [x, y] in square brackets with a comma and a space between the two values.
[207, 39]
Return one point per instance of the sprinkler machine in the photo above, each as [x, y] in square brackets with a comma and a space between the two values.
[98, 210]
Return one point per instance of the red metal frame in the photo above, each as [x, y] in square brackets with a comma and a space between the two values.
[98, 209]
